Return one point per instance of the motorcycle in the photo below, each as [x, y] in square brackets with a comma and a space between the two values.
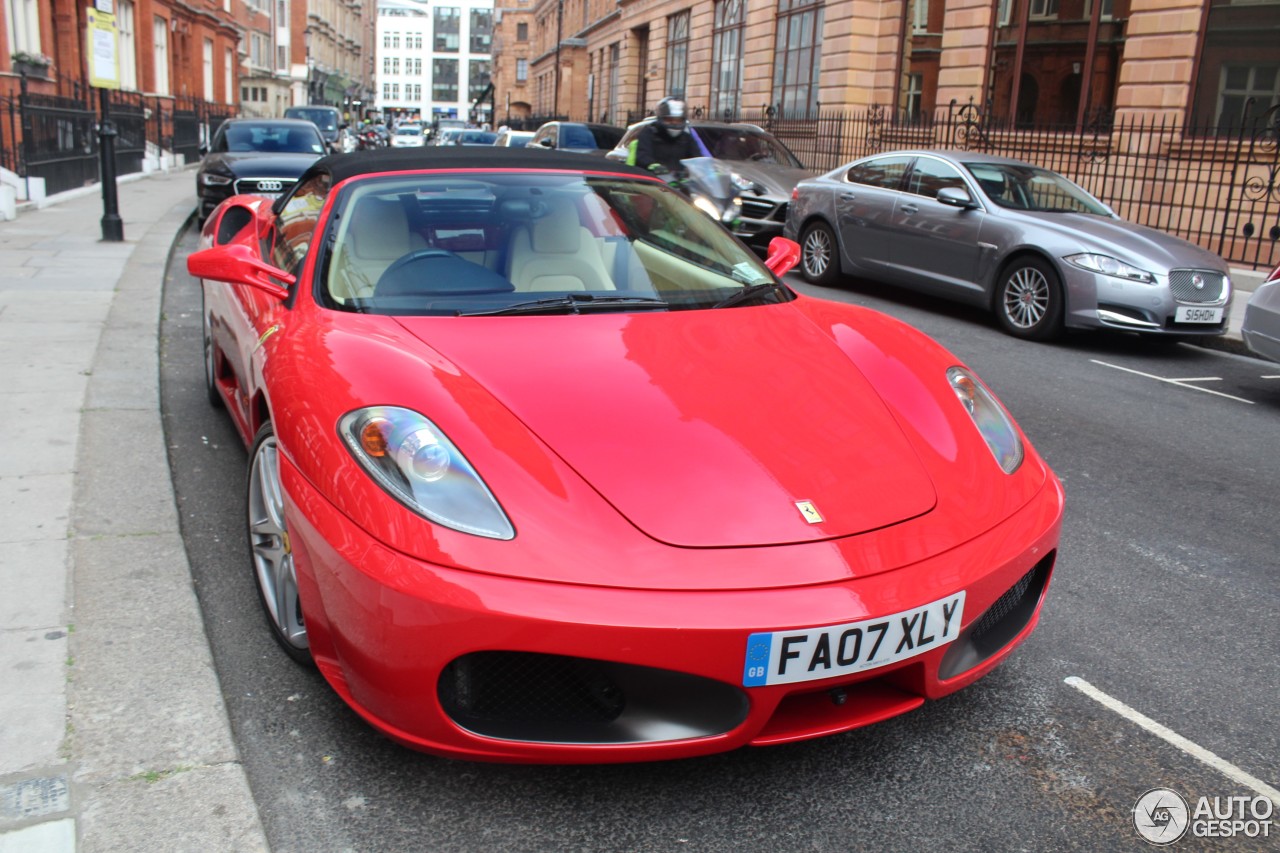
[712, 188]
[369, 140]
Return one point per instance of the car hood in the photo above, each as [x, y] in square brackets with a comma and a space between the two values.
[702, 428]
[1144, 247]
[777, 181]
[258, 163]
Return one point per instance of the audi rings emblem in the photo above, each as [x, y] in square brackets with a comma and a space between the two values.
[277, 186]
[1197, 281]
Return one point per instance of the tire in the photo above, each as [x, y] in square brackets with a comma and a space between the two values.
[1028, 300]
[819, 255]
[270, 550]
[210, 362]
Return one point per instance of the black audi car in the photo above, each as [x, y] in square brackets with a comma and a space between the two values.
[261, 156]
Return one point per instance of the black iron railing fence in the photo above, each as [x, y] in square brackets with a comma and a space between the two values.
[1214, 186]
[55, 137]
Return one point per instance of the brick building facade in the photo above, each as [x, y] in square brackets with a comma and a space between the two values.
[1030, 61]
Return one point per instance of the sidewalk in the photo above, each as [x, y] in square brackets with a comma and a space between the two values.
[113, 732]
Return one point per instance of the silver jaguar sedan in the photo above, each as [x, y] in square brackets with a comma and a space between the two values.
[1023, 241]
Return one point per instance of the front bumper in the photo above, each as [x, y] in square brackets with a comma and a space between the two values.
[445, 660]
[1101, 301]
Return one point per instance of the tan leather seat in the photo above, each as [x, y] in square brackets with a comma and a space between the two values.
[377, 235]
[555, 252]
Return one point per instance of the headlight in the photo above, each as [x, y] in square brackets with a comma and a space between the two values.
[210, 179]
[416, 463]
[740, 183]
[707, 206]
[989, 417]
[1110, 266]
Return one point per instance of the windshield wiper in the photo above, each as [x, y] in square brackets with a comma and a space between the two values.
[748, 293]
[572, 303]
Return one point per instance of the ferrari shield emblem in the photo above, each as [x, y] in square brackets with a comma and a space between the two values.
[810, 512]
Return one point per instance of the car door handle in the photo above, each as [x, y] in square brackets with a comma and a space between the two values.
[848, 196]
[910, 209]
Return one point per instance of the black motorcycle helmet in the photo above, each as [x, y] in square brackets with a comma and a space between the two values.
[670, 116]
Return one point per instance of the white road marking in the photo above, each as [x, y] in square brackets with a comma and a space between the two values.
[1168, 735]
[1268, 376]
[1198, 379]
[1181, 383]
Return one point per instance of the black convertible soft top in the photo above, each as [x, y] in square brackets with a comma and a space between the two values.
[344, 166]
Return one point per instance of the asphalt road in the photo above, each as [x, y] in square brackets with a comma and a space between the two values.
[1164, 597]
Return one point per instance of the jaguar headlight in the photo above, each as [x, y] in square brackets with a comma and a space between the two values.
[414, 461]
[1108, 265]
[989, 417]
[707, 206]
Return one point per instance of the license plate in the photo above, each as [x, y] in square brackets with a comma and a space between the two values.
[1188, 314]
[807, 654]
[272, 196]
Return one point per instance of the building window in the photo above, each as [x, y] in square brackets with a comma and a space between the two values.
[282, 57]
[386, 38]
[207, 61]
[129, 46]
[478, 78]
[413, 42]
[413, 67]
[160, 31]
[386, 91]
[446, 32]
[481, 30]
[1005, 14]
[386, 65]
[395, 91]
[395, 65]
[522, 31]
[615, 66]
[1239, 83]
[24, 25]
[912, 103]
[726, 57]
[678, 53]
[522, 70]
[444, 80]
[395, 40]
[797, 57]
[228, 74]
[1044, 8]
[920, 22]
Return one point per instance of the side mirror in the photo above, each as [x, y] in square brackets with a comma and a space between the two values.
[783, 255]
[547, 142]
[956, 197]
[236, 263]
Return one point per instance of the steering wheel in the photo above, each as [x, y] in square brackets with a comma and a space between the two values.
[398, 265]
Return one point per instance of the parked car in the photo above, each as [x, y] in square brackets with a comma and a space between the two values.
[1261, 328]
[440, 125]
[328, 120]
[408, 137]
[263, 156]
[513, 138]
[760, 162]
[576, 136]
[544, 466]
[467, 136]
[1022, 241]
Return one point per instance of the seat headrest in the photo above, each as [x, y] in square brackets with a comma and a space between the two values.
[379, 230]
[558, 231]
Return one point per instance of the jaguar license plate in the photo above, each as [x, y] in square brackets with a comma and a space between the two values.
[1190, 314]
[807, 654]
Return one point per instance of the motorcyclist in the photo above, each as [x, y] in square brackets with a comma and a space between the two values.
[666, 141]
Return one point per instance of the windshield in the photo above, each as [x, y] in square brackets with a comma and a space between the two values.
[453, 244]
[1021, 187]
[267, 138]
[738, 143]
[323, 119]
[589, 138]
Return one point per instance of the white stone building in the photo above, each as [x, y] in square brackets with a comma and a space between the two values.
[433, 58]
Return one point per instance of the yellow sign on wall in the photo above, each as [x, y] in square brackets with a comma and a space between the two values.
[104, 52]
